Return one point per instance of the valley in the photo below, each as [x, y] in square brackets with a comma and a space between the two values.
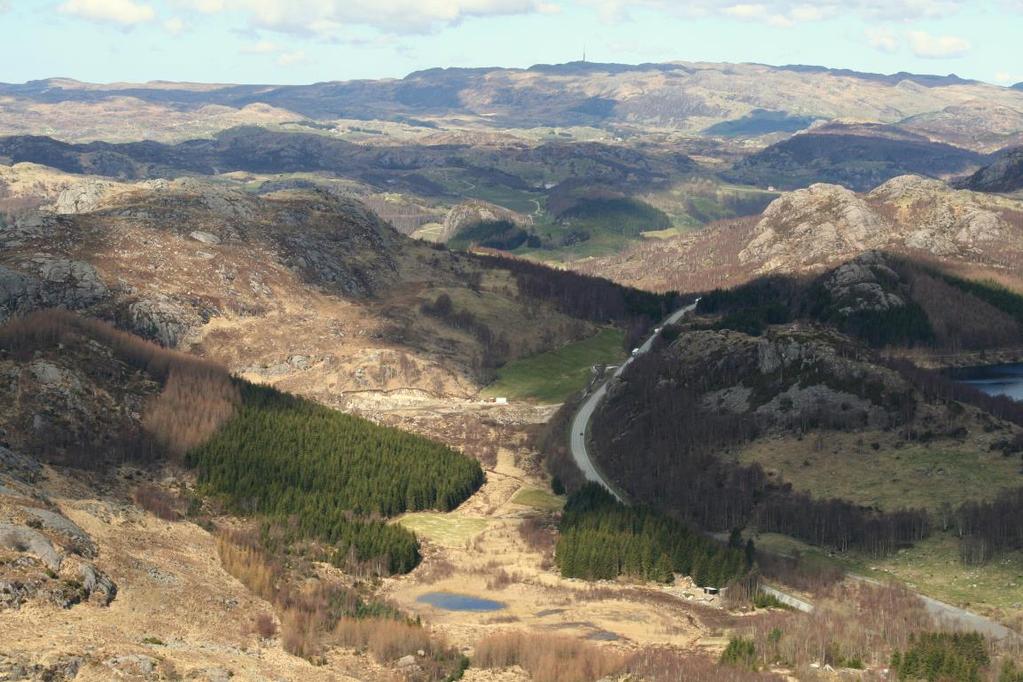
[562, 374]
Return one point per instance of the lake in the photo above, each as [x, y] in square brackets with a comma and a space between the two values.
[451, 601]
[1004, 380]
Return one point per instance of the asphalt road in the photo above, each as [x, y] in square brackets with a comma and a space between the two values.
[952, 615]
[581, 422]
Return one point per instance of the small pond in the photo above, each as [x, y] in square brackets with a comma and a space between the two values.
[451, 601]
[1004, 380]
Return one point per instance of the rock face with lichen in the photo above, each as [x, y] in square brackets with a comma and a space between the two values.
[809, 226]
[866, 283]
[827, 223]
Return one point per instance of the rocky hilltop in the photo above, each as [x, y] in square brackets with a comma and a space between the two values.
[297, 287]
[813, 228]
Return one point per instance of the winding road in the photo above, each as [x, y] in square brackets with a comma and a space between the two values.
[581, 422]
[960, 618]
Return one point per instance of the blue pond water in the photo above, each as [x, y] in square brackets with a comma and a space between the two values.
[1004, 380]
[450, 601]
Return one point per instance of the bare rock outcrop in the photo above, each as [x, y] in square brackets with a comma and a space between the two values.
[814, 225]
[23, 539]
[824, 224]
[469, 213]
[863, 283]
[46, 281]
[82, 197]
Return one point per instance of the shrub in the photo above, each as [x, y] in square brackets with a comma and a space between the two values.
[265, 626]
[852, 625]
[671, 665]
[741, 653]
[157, 501]
[548, 658]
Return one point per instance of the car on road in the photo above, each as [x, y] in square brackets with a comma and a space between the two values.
[635, 352]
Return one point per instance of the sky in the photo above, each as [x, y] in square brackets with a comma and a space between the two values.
[303, 41]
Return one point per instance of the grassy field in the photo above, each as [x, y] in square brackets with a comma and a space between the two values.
[553, 376]
[538, 499]
[846, 465]
[450, 530]
[931, 567]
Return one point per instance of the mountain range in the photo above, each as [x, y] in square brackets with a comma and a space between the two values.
[683, 96]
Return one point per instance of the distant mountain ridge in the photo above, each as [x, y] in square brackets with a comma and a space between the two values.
[689, 96]
[926, 80]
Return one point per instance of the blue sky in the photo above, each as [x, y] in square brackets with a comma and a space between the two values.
[300, 41]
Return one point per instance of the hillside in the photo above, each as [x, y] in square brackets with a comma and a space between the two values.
[305, 290]
[1005, 174]
[121, 448]
[809, 229]
[857, 157]
[770, 411]
[391, 164]
[687, 96]
[289, 371]
[698, 412]
[430, 187]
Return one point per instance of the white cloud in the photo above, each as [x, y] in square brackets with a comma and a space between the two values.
[804, 13]
[326, 17]
[174, 26]
[928, 46]
[121, 12]
[883, 38]
[1006, 77]
[761, 13]
[5, 5]
[746, 11]
[787, 11]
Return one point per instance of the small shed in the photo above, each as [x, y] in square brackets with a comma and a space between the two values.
[711, 590]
